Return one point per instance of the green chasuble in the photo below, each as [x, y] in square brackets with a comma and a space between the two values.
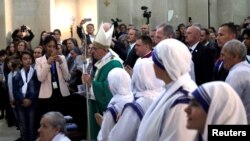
[101, 92]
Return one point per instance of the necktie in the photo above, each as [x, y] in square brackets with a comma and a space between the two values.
[129, 49]
[53, 69]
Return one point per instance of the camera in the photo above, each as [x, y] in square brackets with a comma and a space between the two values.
[116, 21]
[189, 19]
[23, 28]
[144, 8]
[146, 13]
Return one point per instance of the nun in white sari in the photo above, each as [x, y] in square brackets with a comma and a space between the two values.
[146, 88]
[165, 119]
[120, 86]
[214, 103]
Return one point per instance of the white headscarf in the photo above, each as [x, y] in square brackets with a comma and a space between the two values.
[174, 57]
[144, 81]
[222, 104]
[120, 86]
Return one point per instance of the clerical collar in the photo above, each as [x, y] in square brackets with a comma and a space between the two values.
[148, 55]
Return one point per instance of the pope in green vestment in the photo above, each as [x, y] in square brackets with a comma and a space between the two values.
[100, 94]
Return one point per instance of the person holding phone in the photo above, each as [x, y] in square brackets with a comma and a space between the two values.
[23, 33]
[90, 31]
[52, 72]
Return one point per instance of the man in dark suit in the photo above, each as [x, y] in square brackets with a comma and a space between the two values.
[90, 32]
[120, 45]
[202, 57]
[226, 32]
[205, 41]
[205, 38]
[246, 40]
[133, 35]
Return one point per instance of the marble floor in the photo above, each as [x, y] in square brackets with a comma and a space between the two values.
[8, 133]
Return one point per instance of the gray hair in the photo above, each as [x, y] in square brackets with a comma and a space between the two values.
[57, 120]
[168, 30]
[235, 47]
[137, 32]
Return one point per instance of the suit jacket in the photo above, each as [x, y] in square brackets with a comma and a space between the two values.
[215, 49]
[220, 73]
[121, 50]
[131, 58]
[44, 76]
[81, 35]
[203, 59]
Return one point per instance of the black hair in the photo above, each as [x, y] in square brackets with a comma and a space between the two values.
[48, 39]
[27, 53]
[3, 52]
[57, 30]
[212, 28]
[146, 40]
[206, 30]
[246, 32]
[231, 26]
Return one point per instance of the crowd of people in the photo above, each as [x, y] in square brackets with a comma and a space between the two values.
[152, 84]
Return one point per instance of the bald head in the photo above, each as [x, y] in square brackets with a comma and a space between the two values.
[192, 35]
